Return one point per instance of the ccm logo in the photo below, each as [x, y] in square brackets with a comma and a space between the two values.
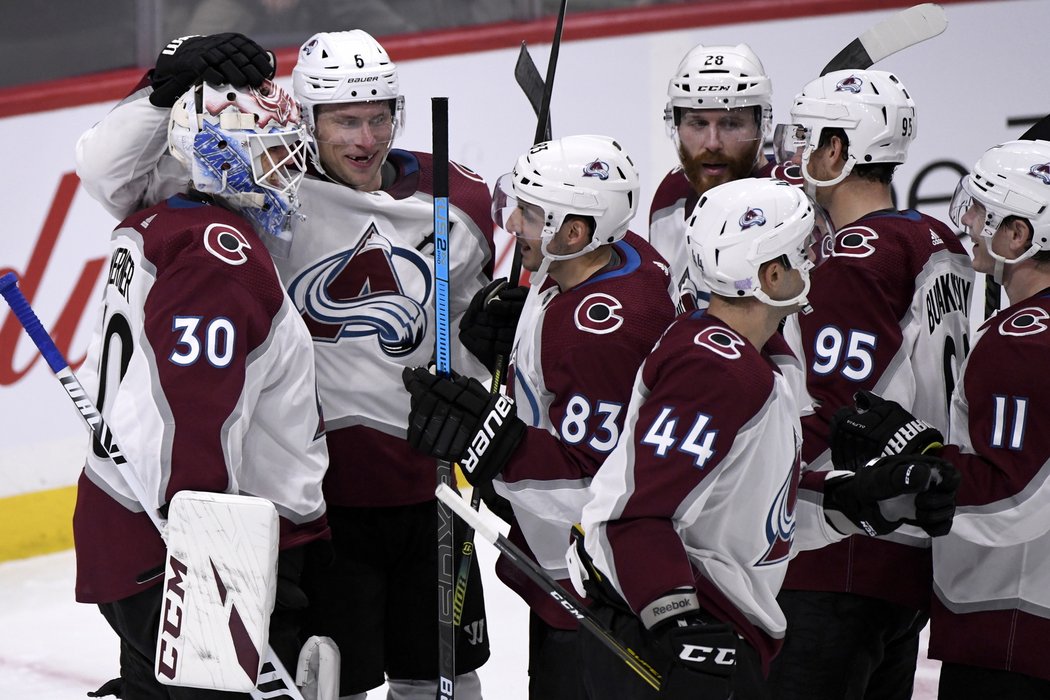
[698, 654]
[483, 438]
[171, 620]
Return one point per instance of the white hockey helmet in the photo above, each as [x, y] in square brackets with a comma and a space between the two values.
[245, 146]
[873, 108]
[719, 77]
[340, 67]
[581, 175]
[740, 225]
[1011, 179]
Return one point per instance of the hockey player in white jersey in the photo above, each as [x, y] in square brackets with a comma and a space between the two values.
[719, 112]
[204, 370]
[598, 302]
[360, 271]
[696, 511]
[889, 315]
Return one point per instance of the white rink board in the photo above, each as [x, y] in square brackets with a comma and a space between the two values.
[984, 70]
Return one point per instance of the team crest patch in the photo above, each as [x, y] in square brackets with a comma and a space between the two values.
[597, 168]
[752, 217]
[1026, 321]
[851, 84]
[226, 243]
[855, 242]
[597, 314]
[720, 341]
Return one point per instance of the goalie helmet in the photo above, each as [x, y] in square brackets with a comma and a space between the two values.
[737, 227]
[245, 146]
[719, 77]
[581, 175]
[1011, 179]
[872, 107]
[340, 67]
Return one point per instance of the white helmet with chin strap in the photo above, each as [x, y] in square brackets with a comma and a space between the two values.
[873, 108]
[589, 176]
[1011, 179]
[341, 67]
[719, 77]
[247, 147]
[741, 225]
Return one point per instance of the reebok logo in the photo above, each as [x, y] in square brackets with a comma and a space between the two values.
[483, 438]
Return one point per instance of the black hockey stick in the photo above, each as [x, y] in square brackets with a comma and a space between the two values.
[542, 579]
[443, 357]
[906, 28]
[273, 676]
[528, 77]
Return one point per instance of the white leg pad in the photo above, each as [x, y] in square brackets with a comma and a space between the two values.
[317, 674]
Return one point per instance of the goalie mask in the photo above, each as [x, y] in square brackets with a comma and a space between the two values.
[246, 147]
[737, 227]
[588, 176]
[342, 67]
[1012, 179]
[872, 107]
[719, 77]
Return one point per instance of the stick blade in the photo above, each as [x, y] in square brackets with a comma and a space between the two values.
[1040, 131]
[906, 28]
[528, 77]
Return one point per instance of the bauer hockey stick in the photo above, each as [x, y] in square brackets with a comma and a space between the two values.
[273, 680]
[542, 579]
[906, 28]
[443, 357]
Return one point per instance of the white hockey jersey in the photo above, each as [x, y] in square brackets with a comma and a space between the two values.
[203, 369]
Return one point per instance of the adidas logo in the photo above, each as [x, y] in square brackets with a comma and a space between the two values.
[935, 239]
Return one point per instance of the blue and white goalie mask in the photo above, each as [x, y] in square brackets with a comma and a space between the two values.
[246, 147]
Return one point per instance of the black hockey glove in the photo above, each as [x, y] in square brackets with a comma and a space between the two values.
[487, 328]
[457, 419]
[702, 655]
[219, 59]
[874, 428]
[914, 489]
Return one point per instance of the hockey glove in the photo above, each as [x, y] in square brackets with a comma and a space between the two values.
[487, 328]
[457, 419]
[874, 428]
[219, 59]
[914, 489]
[694, 642]
[588, 579]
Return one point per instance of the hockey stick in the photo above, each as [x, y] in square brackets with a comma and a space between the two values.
[528, 77]
[445, 534]
[906, 28]
[542, 579]
[273, 677]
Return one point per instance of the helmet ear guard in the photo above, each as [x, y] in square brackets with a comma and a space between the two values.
[245, 146]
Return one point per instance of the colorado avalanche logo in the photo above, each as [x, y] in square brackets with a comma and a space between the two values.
[226, 243]
[308, 47]
[597, 314]
[851, 84]
[1041, 171]
[720, 341]
[780, 522]
[363, 293]
[597, 168]
[752, 217]
[1027, 321]
[855, 242]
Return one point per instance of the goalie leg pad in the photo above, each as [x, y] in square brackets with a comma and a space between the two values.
[219, 589]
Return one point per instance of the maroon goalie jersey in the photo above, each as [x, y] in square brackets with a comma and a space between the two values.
[992, 571]
[204, 371]
[574, 360]
[889, 315]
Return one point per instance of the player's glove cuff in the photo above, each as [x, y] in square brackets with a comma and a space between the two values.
[694, 641]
